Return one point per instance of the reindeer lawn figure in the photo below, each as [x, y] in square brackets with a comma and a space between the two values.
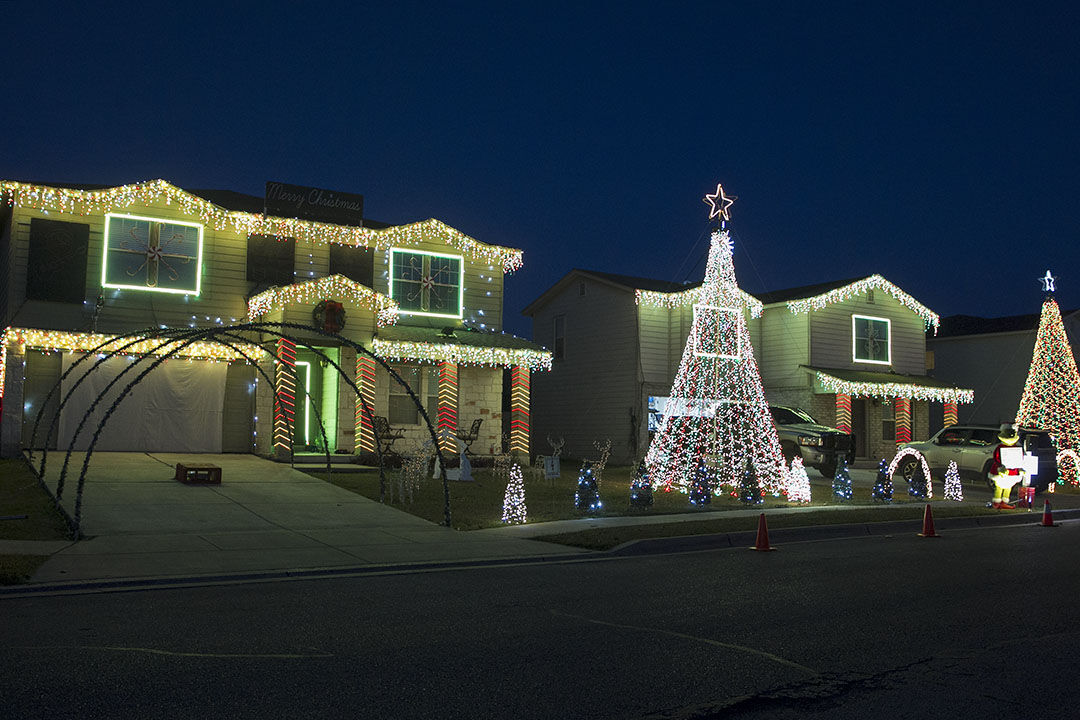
[413, 469]
[604, 448]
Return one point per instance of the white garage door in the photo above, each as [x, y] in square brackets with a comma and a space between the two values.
[177, 407]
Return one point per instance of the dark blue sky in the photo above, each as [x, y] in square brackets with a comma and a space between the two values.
[936, 143]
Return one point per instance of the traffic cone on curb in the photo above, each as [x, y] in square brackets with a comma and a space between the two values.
[928, 523]
[762, 542]
[1048, 517]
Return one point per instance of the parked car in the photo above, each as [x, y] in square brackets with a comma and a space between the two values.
[972, 447]
[819, 446]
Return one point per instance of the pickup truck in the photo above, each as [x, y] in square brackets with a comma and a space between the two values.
[819, 446]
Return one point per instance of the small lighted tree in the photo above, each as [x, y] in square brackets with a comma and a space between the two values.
[954, 490]
[514, 510]
[749, 487]
[701, 487]
[883, 487]
[798, 482]
[641, 493]
[841, 484]
[587, 498]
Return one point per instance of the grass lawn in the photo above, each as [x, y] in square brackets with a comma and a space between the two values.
[478, 504]
[21, 495]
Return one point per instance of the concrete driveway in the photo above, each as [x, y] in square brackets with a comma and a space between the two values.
[140, 522]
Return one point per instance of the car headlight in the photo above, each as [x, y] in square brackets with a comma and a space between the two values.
[811, 440]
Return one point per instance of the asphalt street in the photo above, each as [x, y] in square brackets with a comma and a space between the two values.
[977, 623]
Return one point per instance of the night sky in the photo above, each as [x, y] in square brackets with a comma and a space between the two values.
[935, 144]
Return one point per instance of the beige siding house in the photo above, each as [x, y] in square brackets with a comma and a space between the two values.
[84, 264]
[851, 352]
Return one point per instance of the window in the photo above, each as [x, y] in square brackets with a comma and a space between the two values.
[581, 289]
[423, 380]
[424, 283]
[355, 263]
[56, 267]
[870, 341]
[270, 260]
[150, 254]
[558, 338]
[888, 421]
[981, 437]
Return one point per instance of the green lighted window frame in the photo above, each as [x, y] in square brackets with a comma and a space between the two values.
[307, 399]
[856, 339]
[461, 282]
[144, 288]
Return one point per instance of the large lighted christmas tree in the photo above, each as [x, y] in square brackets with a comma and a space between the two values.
[1051, 398]
[717, 413]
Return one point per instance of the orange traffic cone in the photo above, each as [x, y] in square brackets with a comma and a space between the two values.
[762, 535]
[1048, 518]
[928, 523]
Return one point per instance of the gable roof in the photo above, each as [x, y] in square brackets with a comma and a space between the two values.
[803, 291]
[93, 199]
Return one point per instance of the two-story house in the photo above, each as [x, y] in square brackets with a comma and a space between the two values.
[83, 264]
[851, 352]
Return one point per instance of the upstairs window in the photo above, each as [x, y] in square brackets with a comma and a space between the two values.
[870, 340]
[558, 338]
[271, 260]
[424, 283]
[56, 266]
[355, 263]
[150, 254]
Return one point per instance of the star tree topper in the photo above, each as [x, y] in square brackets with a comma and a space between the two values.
[1048, 282]
[719, 203]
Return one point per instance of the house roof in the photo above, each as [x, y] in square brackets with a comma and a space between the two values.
[640, 283]
[803, 291]
[245, 214]
[885, 385]
[464, 345]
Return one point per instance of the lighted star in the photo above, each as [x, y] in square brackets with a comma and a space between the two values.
[719, 203]
[1048, 282]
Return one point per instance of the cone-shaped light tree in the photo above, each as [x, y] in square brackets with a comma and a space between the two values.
[1051, 399]
[717, 410]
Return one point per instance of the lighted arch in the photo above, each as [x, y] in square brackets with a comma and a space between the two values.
[912, 452]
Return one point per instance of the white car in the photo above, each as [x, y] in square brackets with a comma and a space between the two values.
[972, 448]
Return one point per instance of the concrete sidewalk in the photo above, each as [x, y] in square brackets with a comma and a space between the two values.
[265, 516]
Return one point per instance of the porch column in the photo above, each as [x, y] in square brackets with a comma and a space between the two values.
[12, 376]
[447, 423]
[950, 414]
[364, 438]
[285, 396]
[519, 410]
[902, 414]
[843, 412]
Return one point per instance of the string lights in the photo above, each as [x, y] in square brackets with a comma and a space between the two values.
[682, 298]
[59, 340]
[954, 489]
[1051, 399]
[861, 287]
[331, 287]
[923, 466]
[99, 202]
[410, 351]
[888, 390]
[798, 482]
[448, 407]
[717, 411]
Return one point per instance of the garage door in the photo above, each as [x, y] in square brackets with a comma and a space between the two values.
[177, 407]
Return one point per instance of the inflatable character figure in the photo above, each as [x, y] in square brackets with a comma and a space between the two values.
[1007, 468]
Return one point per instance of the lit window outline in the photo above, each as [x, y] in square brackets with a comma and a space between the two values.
[461, 282]
[144, 288]
[888, 340]
[697, 337]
